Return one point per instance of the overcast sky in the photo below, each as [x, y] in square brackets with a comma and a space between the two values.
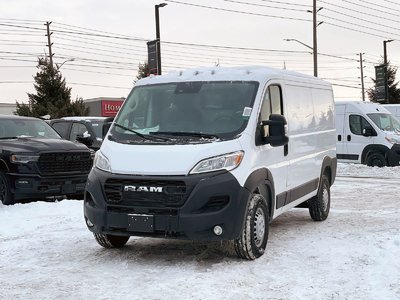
[107, 66]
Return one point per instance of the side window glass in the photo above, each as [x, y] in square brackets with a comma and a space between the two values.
[365, 124]
[272, 104]
[77, 128]
[61, 128]
[276, 99]
[266, 107]
[357, 124]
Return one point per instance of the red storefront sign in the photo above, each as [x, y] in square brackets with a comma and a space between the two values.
[110, 108]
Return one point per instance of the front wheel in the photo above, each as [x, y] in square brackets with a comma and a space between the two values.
[376, 159]
[110, 241]
[6, 196]
[254, 236]
[319, 205]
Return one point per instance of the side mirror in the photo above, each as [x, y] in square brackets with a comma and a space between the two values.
[106, 127]
[368, 132]
[274, 131]
[84, 139]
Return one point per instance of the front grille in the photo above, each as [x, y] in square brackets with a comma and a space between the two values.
[65, 162]
[173, 193]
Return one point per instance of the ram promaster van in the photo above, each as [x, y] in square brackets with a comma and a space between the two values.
[367, 133]
[394, 109]
[214, 154]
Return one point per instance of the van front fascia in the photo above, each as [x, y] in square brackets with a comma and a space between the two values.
[185, 207]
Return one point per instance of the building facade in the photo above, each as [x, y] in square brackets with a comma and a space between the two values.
[103, 106]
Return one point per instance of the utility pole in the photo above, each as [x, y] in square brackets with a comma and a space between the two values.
[362, 76]
[315, 48]
[385, 62]
[49, 43]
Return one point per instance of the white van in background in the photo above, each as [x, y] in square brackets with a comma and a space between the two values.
[394, 109]
[214, 154]
[367, 133]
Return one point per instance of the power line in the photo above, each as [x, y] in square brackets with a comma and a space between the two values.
[288, 3]
[359, 12]
[393, 2]
[372, 8]
[237, 11]
[263, 5]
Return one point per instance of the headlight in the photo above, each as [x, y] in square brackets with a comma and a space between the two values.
[23, 158]
[223, 162]
[393, 140]
[101, 162]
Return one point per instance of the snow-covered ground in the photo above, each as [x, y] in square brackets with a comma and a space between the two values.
[46, 252]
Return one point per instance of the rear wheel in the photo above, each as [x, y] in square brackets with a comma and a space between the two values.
[376, 159]
[319, 205]
[253, 239]
[110, 241]
[5, 194]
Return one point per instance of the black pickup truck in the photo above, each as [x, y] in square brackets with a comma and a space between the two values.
[35, 162]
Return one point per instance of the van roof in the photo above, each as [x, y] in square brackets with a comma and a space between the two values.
[366, 107]
[247, 73]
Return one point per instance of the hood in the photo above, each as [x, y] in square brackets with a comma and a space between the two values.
[35, 145]
[162, 159]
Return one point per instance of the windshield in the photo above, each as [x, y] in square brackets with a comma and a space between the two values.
[386, 122]
[187, 110]
[11, 128]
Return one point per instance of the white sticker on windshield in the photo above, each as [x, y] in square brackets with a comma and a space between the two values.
[246, 112]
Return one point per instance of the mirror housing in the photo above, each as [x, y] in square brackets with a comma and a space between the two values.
[368, 132]
[84, 139]
[105, 128]
[274, 131]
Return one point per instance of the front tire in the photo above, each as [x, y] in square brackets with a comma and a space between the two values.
[319, 205]
[376, 159]
[254, 236]
[6, 196]
[110, 241]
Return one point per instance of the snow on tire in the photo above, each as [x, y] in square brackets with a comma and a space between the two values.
[319, 205]
[254, 236]
[110, 241]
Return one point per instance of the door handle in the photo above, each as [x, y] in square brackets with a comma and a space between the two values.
[349, 138]
[339, 137]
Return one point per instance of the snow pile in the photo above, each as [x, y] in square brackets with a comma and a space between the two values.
[46, 252]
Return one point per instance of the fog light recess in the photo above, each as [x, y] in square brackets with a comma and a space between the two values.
[218, 230]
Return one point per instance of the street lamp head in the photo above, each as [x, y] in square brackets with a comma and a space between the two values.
[162, 4]
[388, 41]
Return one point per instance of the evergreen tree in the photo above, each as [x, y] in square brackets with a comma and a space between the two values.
[394, 90]
[52, 96]
[143, 71]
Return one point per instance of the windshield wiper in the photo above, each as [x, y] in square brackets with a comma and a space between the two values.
[143, 136]
[8, 137]
[185, 133]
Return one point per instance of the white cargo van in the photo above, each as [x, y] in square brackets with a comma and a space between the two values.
[393, 108]
[214, 154]
[367, 133]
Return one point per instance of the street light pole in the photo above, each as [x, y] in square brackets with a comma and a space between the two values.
[157, 7]
[58, 66]
[384, 51]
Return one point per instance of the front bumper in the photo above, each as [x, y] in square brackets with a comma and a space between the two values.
[188, 208]
[394, 155]
[26, 186]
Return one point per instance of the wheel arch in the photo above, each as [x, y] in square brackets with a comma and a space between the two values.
[373, 148]
[4, 166]
[261, 180]
[329, 167]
